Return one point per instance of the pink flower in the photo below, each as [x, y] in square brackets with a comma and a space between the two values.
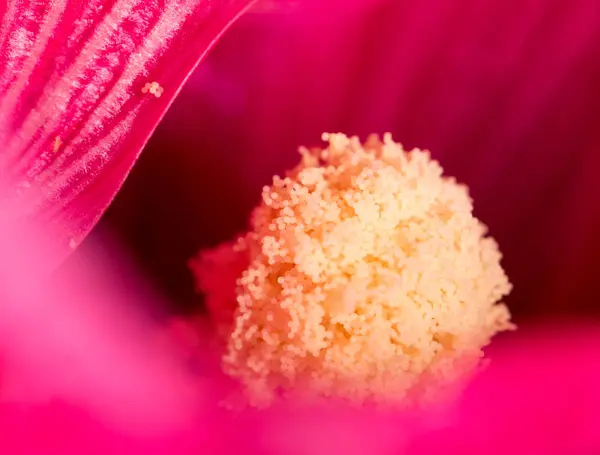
[503, 93]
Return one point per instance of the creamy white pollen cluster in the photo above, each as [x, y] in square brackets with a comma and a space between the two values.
[364, 276]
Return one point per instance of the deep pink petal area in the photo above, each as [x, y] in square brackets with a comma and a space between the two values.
[73, 114]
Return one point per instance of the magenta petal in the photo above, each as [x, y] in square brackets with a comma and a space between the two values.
[73, 113]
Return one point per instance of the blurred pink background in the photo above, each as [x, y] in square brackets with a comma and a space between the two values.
[505, 93]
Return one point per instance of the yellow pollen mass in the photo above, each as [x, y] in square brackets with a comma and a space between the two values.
[364, 276]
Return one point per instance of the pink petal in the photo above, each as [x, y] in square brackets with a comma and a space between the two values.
[73, 117]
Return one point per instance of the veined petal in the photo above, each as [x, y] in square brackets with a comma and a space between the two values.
[83, 83]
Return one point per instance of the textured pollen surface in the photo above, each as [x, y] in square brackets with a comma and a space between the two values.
[364, 276]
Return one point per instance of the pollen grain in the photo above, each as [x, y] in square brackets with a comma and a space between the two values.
[153, 88]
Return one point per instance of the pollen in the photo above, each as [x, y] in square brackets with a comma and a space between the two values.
[72, 244]
[363, 276]
[56, 144]
[153, 88]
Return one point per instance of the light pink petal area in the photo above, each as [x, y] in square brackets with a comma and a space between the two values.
[84, 337]
[75, 109]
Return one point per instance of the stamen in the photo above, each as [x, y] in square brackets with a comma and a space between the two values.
[363, 277]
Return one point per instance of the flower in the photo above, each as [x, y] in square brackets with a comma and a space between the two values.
[364, 276]
[74, 109]
[503, 93]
